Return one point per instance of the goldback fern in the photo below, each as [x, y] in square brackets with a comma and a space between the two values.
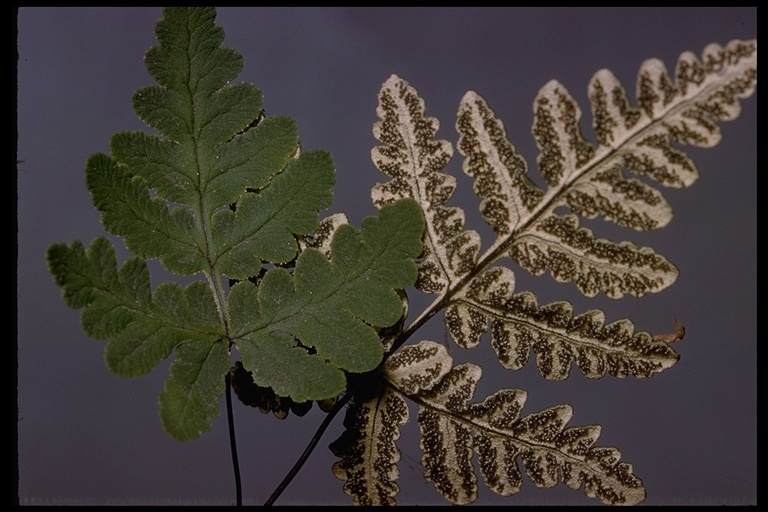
[316, 310]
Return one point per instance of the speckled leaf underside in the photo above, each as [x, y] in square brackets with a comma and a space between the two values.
[616, 178]
[589, 179]
[455, 430]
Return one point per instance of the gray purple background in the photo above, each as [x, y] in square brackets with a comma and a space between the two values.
[86, 436]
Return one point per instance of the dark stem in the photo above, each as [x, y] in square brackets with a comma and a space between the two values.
[233, 443]
[308, 450]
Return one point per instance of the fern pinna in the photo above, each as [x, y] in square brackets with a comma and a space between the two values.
[479, 296]
[316, 310]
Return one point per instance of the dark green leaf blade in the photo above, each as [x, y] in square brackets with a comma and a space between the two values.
[118, 304]
[247, 160]
[188, 401]
[149, 228]
[277, 362]
[189, 63]
[331, 307]
[263, 225]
